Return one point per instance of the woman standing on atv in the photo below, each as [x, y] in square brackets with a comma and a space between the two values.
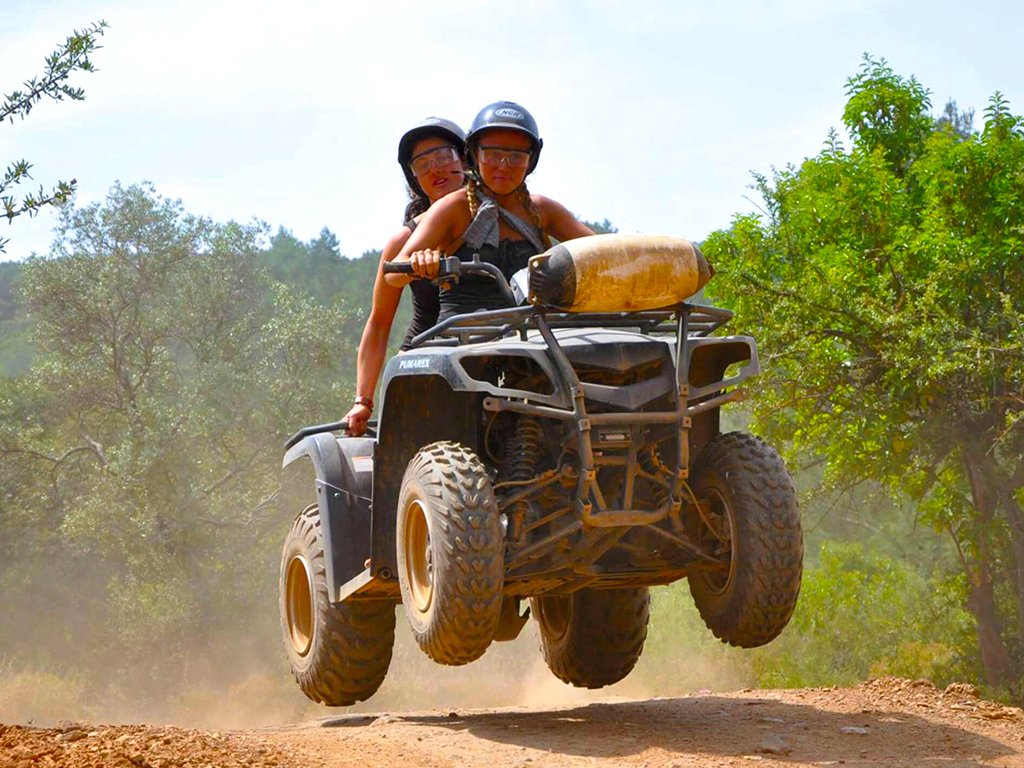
[431, 158]
[496, 217]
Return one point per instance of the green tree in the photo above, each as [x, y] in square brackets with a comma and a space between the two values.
[70, 57]
[862, 613]
[140, 455]
[959, 122]
[604, 227]
[884, 283]
[317, 268]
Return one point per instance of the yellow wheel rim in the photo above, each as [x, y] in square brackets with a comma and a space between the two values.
[299, 604]
[419, 563]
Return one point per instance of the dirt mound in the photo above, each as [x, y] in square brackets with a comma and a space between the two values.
[922, 695]
[80, 745]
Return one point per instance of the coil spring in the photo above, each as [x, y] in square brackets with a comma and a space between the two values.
[522, 458]
[652, 464]
[524, 449]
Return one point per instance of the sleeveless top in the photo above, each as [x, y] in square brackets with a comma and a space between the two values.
[425, 305]
[476, 292]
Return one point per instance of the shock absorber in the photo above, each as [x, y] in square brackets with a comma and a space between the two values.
[657, 481]
[522, 457]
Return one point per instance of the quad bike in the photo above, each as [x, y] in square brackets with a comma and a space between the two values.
[566, 454]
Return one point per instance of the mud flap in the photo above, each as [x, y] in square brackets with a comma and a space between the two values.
[344, 484]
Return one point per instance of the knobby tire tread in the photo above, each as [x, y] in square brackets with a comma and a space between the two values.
[768, 533]
[467, 540]
[604, 638]
[352, 641]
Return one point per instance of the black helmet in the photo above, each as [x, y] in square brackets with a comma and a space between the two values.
[507, 114]
[430, 127]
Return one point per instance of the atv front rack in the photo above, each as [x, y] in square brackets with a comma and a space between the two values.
[491, 324]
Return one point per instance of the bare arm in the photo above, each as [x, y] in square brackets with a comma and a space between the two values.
[558, 222]
[435, 231]
[374, 343]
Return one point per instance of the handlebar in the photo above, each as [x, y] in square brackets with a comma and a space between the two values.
[449, 267]
[452, 268]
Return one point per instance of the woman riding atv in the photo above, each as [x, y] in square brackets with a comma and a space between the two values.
[496, 217]
[431, 158]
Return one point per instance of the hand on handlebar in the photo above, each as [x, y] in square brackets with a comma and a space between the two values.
[426, 263]
[357, 417]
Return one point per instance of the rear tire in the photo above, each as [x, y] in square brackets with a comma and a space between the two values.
[593, 637]
[339, 654]
[451, 566]
[756, 526]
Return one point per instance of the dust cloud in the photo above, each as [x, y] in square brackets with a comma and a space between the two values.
[245, 685]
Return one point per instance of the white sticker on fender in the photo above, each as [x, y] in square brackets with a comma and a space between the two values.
[362, 463]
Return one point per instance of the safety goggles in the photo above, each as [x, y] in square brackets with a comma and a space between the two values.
[437, 158]
[514, 158]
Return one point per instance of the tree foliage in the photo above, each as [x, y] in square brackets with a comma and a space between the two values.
[884, 283]
[142, 504]
[141, 452]
[71, 56]
[863, 613]
[318, 269]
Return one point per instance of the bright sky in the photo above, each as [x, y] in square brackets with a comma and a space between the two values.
[653, 113]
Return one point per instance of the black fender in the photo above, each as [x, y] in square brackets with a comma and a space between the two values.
[344, 485]
[707, 360]
[417, 410]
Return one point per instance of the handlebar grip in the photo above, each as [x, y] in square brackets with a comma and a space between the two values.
[397, 268]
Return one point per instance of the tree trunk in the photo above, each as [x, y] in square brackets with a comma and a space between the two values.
[1001, 485]
[1015, 518]
[999, 667]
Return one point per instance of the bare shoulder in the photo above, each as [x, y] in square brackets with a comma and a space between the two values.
[557, 220]
[451, 212]
[548, 207]
[453, 201]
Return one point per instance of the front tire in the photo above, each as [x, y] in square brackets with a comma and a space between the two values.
[451, 566]
[339, 654]
[753, 523]
[593, 637]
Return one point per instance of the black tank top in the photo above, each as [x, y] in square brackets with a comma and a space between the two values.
[475, 292]
[425, 304]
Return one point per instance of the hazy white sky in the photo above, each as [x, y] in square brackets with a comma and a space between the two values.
[653, 113]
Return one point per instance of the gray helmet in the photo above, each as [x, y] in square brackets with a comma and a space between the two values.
[430, 127]
[506, 114]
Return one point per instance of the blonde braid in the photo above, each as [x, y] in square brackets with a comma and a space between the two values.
[527, 201]
[471, 196]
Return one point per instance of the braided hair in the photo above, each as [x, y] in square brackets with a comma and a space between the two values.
[472, 197]
[527, 201]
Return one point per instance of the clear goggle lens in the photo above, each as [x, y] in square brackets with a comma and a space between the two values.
[441, 157]
[514, 158]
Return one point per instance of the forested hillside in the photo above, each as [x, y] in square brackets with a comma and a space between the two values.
[315, 270]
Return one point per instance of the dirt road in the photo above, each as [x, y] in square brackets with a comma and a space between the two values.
[886, 722]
